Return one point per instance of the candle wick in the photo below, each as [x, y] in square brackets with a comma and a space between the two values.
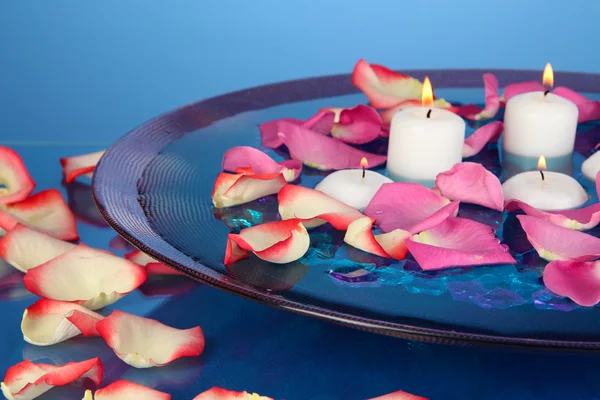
[542, 174]
[429, 113]
[363, 175]
[546, 93]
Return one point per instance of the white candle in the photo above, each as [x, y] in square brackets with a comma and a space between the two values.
[591, 166]
[348, 186]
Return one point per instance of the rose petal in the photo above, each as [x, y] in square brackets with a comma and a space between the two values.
[322, 122]
[553, 242]
[386, 116]
[383, 87]
[489, 133]
[245, 156]
[143, 343]
[589, 110]
[125, 390]
[90, 277]
[235, 189]
[44, 323]
[409, 206]
[268, 132]
[81, 202]
[577, 280]
[457, 242]
[356, 125]
[217, 393]
[73, 167]
[27, 380]
[400, 395]
[14, 176]
[84, 320]
[323, 152]
[388, 245]
[492, 101]
[25, 248]
[46, 212]
[315, 208]
[580, 219]
[153, 267]
[471, 183]
[515, 89]
[277, 242]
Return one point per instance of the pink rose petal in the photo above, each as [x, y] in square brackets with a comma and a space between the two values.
[314, 208]
[90, 277]
[553, 242]
[577, 280]
[44, 323]
[277, 242]
[125, 390]
[399, 395]
[322, 122]
[153, 267]
[383, 87]
[27, 380]
[323, 152]
[249, 157]
[489, 133]
[388, 245]
[409, 206]
[457, 242]
[217, 393]
[515, 89]
[14, 176]
[73, 167]
[580, 219]
[589, 110]
[356, 125]
[143, 343]
[244, 187]
[386, 116]
[492, 101]
[471, 183]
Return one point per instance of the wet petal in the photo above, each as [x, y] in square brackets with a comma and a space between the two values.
[277, 242]
[249, 157]
[386, 116]
[388, 245]
[458, 242]
[143, 343]
[125, 390]
[515, 89]
[471, 183]
[489, 133]
[235, 189]
[73, 167]
[589, 110]
[153, 267]
[399, 395]
[356, 125]
[409, 206]
[90, 277]
[217, 393]
[580, 219]
[492, 101]
[577, 280]
[15, 182]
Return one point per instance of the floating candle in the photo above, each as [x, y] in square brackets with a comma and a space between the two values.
[355, 187]
[591, 166]
[424, 141]
[540, 123]
[545, 190]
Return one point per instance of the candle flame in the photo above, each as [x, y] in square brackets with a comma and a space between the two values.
[542, 163]
[548, 78]
[364, 163]
[427, 94]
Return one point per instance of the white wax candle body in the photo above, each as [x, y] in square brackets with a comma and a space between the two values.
[420, 147]
[557, 191]
[536, 125]
[591, 166]
[348, 186]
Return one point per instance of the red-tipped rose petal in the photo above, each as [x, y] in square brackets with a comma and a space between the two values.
[580, 219]
[323, 152]
[44, 323]
[553, 242]
[245, 156]
[153, 267]
[386, 116]
[315, 208]
[277, 242]
[125, 390]
[471, 183]
[515, 89]
[388, 245]
[14, 176]
[409, 206]
[383, 87]
[589, 110]
[90, 277]
[73, 167]
[46, 212]
[458, 242]
[217, 393]
[25, 248]
[356, 125]
[577, 280]
[481, 137]
[492, 101]
[399, 395]
[235, 189]
[27, 380]
[84, 321]
[144, 343]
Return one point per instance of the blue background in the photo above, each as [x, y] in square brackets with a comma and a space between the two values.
[74, 76]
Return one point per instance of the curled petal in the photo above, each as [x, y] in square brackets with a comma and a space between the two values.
[409, 206]
[84, 320]
[125, 390]
[383, 87]
[323, 152]
[314, 208]
[553, 242]
[153, 267]
[73, 167]
[217, 393]
[488, 133]
[589, 110]
[245, 156]
[388, 245]
[386, 116]
[14, 177]
[143, 343]
[322, 122]
[90, 277]
[46, 212]
[399, 395]
[458, 242]
[492, 101]
[515, 89]
[45, 323]
[471, 183]
[580, 219]
[27, 380]
[356, 125]
[25, 248]
[277, 242]
[234, 189]
[577, 280]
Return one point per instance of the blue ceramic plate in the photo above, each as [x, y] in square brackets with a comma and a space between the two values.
[154, 185]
